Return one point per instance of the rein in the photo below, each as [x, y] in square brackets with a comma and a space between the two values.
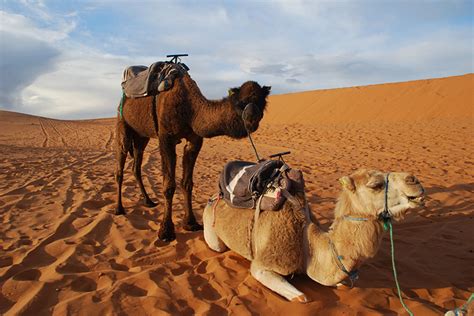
[248, 133]
[386, 218]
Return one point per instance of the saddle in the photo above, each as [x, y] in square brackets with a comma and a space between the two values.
[141, 81]
[243, 184]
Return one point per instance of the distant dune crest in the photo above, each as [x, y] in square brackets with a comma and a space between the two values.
[444, 98]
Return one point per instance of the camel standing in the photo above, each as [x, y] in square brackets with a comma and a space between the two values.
[182, 113]
[287, 241]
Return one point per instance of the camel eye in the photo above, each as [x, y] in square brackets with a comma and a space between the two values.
[411, 180]
[375, 184]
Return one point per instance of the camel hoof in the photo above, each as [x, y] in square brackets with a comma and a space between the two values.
[149, 203]
[166, 233]
[120, 210]
[300, 299]
[192, 227]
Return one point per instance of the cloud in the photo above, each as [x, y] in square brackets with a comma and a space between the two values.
[293, 81]
[84, 84]
[24, 56]
[44, 73]
[71, 55]
[442, 53]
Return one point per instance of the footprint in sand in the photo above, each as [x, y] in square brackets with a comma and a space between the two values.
[133, 290]
[28, 275]
[202, 288]
[83, 284]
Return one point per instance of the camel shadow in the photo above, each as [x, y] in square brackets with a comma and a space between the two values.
[438, 208]
[469, 187]
[415, 243]
[139, 218]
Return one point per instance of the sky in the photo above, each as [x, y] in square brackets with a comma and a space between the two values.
[64, 59]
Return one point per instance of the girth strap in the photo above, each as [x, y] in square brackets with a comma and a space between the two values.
[253, 238]
[154, 115]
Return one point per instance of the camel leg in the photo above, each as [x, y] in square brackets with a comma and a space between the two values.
[210, 236]
[139, 145]
[168, 165]
[122, 147]
[121, 158]
[277, 283]
[191, 152]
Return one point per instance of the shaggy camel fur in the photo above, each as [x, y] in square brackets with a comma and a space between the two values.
[182, 112]
[287, 241]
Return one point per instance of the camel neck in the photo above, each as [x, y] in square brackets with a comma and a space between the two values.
[354, 242]
[212, 118]
[358, 238]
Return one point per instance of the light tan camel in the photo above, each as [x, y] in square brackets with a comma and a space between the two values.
[288, 241]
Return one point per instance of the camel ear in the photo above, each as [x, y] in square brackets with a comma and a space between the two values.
[233, 91]
[347, 183]
[266, 90]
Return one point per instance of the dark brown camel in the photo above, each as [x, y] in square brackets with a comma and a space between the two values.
[182, 112]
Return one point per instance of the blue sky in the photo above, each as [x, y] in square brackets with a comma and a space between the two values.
[64, 59]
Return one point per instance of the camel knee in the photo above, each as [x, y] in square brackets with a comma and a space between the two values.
[137, 170]
[118, 176]
[169, 191]
[187, 185]
[277, 283]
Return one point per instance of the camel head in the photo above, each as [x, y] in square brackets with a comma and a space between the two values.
[249, 102]
[364, 194]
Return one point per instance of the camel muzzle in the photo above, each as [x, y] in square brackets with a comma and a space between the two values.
[251, 115]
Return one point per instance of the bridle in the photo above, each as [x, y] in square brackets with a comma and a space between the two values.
[245, 126]
[385, 216]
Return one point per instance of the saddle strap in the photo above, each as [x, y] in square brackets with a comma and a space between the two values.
[253, 238]
[213, 201]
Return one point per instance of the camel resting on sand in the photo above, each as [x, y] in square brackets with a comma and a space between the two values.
[287, 241]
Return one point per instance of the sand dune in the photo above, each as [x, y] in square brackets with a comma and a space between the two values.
[445, 98]
[63, 252]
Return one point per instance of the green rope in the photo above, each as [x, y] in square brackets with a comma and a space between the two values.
[464, 307]
[121, 104]
[389, 224]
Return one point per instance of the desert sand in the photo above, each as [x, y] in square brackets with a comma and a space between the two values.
[63, 252]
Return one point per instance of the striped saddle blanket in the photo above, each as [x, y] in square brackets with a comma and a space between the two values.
[243, 183]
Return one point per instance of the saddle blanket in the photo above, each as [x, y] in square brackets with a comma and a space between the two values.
[142, 81]
[241, 183]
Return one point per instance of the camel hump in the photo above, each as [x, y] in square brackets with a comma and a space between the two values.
[242, 183]
[141, 81]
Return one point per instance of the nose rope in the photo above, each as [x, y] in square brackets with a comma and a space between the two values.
[248, 133]
[386, 193]
[254, 148]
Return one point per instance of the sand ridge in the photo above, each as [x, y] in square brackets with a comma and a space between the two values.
[62, 251]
